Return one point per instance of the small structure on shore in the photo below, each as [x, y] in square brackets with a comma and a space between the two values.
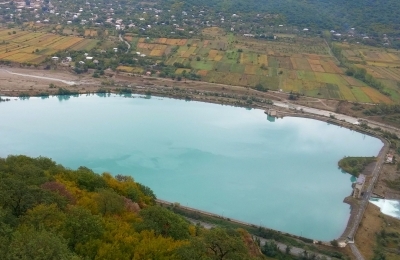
[271, 112]
[389, 158]
[359, 186]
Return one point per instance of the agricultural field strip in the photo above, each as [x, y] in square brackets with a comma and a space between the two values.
[65, 43]
[6, 37]
[387, 73]
[81, 45]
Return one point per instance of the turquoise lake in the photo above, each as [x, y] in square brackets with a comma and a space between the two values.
[226, 160]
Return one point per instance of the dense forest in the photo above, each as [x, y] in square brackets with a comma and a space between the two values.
[50, 212]
[373, 17]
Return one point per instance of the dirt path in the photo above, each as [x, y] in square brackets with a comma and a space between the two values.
[68, 82]
[127, 44]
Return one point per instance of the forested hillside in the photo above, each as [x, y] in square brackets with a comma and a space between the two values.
[367, 16]
[51, 212]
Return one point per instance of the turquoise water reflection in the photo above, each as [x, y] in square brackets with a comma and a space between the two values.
[232, 161]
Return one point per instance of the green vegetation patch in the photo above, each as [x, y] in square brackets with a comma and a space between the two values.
[355, 165]
[272, 62]
[231, 56]
[306, 75]
[202, 65]
[223, 67]
[360, 95]
[333, 91]
[270, 82]
[237, 68]
[203, 52]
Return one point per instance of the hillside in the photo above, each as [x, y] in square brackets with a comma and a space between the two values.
[368, 16]
[51, 212]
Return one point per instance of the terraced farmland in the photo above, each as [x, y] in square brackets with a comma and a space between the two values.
[382, 64]
[301, 65]
[34, 47]
[304, 67]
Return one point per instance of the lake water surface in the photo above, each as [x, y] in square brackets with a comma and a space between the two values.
[226, 160]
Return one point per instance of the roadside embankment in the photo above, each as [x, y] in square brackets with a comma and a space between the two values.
[298, 243]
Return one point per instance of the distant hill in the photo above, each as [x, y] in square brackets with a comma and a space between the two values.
[367, 16]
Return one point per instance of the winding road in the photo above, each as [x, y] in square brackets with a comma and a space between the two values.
[127, 44]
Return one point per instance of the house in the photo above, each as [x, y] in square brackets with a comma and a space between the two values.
[358, 186]
[89, 58]
[67, 59]
[81, 62]
[55, 58]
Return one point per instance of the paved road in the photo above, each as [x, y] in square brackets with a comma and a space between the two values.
[282, 247]
[368, 193]
[355, 251]
[315, 111]
[326, 113]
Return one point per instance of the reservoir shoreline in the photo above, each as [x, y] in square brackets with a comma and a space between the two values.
[359, 207]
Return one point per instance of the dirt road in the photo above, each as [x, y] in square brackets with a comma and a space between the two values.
[68, 82]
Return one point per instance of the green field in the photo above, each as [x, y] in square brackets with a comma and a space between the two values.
[202, 65]
[360, 95]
